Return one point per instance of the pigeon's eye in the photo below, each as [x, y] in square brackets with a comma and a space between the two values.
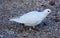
[48, 11]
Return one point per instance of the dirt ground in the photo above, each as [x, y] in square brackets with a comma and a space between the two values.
[49, 28]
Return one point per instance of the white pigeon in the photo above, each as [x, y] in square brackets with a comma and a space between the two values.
[32, 18]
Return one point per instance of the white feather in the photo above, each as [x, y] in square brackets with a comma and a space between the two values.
[32, 18]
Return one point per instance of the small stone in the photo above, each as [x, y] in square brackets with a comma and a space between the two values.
[56, 20]
[43, 5]
[51, 3]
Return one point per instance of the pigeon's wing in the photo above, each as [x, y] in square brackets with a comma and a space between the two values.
[30, 18]
[26, 18]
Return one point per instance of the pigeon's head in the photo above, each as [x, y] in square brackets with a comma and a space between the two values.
[47, 11]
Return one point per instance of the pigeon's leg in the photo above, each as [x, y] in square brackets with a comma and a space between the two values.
[35, 28]
[26, 28]
[30, 28]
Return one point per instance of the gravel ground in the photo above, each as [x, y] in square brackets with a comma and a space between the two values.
[49, 28]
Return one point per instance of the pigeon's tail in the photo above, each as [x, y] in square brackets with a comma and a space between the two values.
[15, 20]
[11, 19]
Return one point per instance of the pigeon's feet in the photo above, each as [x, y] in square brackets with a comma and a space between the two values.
[30, 28]
[26, 28]
[35, 29]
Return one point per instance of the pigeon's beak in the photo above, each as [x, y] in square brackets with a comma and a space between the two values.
[50, 13]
